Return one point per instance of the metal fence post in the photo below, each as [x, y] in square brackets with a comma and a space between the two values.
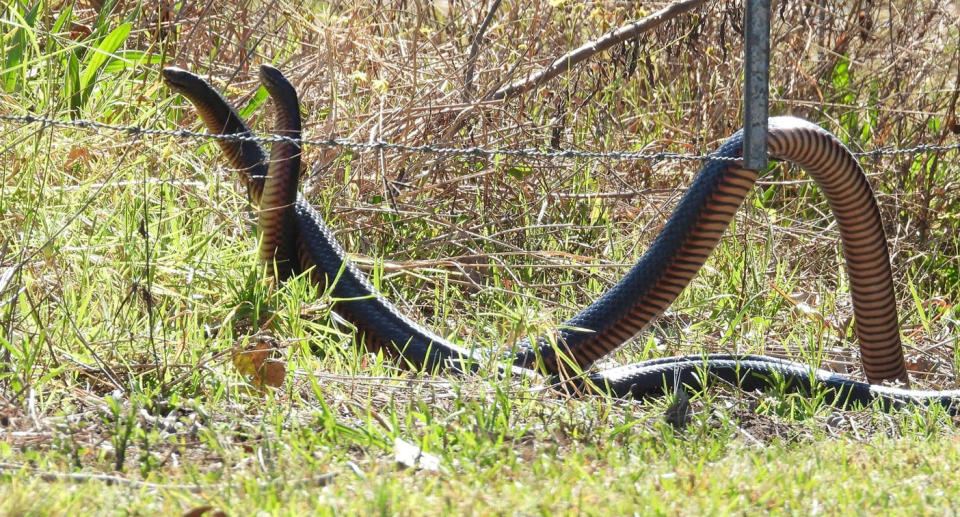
[756, 71]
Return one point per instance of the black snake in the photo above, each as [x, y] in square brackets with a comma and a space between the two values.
[296, 237]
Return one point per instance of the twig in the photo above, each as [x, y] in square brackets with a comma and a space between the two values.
[475, 49]
[568, 60]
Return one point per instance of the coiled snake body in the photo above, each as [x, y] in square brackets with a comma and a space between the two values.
[294, 235]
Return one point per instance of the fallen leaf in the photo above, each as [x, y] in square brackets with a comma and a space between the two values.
[273, 373]
[261, 362]
[202, 510]
[77, 154]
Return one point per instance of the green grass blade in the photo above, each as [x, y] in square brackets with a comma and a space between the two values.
[255, 102]
[104, 52]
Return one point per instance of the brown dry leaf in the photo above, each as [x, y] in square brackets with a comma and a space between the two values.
[249, 361]
[260, 363]
[76, 154]
[202, 510]
[273, 373]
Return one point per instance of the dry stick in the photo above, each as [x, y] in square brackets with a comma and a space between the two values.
[474, 50]
[565, 62]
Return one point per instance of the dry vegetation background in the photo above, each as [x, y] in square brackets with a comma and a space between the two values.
[538, 238]
[879, 74]
[159, 266]
[462, 234]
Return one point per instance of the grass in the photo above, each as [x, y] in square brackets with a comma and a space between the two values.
[128, 271]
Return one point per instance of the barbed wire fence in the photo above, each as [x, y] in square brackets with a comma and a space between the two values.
[135, 132]
[379, 145]
[11, 288]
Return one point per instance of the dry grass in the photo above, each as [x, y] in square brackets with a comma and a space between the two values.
[865, 70]
[113, 330]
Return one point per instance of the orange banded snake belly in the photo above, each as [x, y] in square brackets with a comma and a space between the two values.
[295, 235]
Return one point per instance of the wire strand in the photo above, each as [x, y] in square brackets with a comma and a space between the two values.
[379, 145]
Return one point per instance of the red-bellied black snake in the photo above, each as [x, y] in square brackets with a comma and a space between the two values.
[295, 236]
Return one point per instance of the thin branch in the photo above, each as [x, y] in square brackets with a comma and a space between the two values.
[568, 60]
[475, 49]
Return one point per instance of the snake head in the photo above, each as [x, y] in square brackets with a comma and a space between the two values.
[247, 156]
[276, 84]
[183, 82]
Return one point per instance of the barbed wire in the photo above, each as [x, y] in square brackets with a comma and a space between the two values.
[379, 145]
[376, 145]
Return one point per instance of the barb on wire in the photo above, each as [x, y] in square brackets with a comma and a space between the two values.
[379, 145]
[376, 145]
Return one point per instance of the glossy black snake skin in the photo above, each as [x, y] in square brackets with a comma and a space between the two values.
[649, 287]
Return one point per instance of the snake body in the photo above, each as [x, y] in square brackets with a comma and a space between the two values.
[278, 242]
[676, 255]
